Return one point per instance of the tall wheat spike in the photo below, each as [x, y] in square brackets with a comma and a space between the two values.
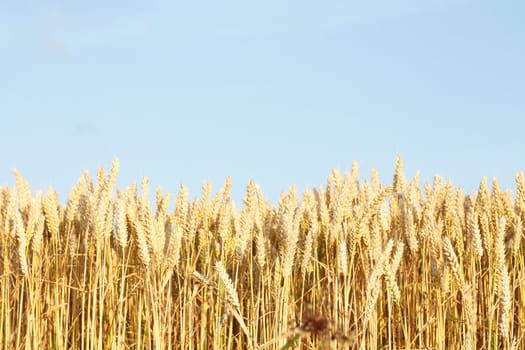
[22, 244]
[24, 194]
[51, 212]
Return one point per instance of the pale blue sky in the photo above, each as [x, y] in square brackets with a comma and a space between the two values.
[276, 91]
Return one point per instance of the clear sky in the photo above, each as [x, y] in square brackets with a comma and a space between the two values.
[279, 92]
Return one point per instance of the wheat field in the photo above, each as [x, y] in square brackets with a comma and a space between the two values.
[349, 265]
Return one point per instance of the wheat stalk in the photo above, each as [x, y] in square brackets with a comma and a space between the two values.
[503, 282]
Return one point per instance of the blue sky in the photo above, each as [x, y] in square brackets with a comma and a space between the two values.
[279, 92]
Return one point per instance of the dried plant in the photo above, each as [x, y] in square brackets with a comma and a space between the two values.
[385, 265]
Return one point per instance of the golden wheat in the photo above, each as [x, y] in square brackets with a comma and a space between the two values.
[110, 270]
